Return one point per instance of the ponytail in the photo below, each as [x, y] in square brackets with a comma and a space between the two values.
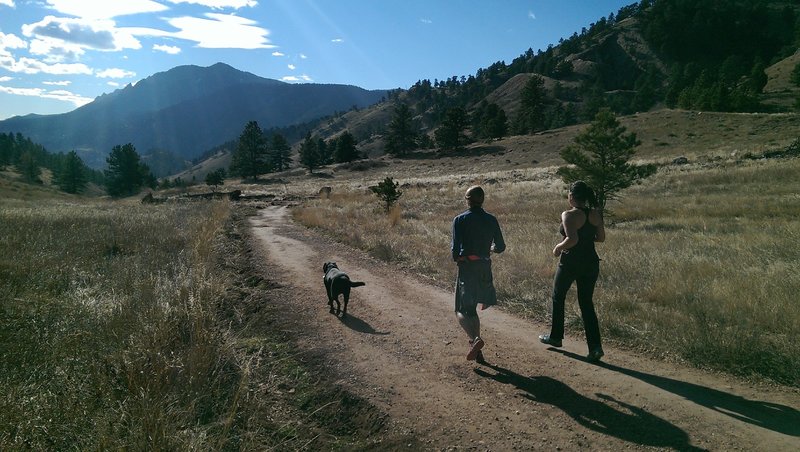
[583, 193]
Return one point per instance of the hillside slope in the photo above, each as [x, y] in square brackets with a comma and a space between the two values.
[186, 111]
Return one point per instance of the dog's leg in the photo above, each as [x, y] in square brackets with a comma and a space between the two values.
[329, 291]
[346, 296]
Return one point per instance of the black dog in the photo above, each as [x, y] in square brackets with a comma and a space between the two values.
[337, 283]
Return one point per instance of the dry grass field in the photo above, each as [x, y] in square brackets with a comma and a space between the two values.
[699, 265]
[131, 327]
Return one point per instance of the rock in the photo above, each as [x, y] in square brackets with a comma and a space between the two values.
[680, 160]
[325, 192]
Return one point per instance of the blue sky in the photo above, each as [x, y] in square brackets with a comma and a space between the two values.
[56, 55]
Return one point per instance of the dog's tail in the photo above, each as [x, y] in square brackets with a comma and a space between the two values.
[357, 284]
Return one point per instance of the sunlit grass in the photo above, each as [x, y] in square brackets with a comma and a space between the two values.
[146, 327]
[700, 262]
[108, 327]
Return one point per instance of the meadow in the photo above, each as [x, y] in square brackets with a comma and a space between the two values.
[700, 262]
[126, 327]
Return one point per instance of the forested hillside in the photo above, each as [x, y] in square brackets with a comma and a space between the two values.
[709, 55]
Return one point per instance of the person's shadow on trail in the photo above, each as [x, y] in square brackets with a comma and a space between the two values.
[772, 416]
[607, 416]
[356, 324]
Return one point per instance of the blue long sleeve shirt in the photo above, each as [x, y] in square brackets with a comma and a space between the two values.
[474, 231]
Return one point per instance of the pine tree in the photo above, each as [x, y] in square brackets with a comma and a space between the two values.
[401, 136]
[387, 191]
[71, 177]
[600, 157]
[215, 178]
[309, 154]
[280, 152]
[28, 167]
[795, 76]
[531, 115]
[450, 135]
[125, 174]
[250, 159]
[345, 148]
[325, 152]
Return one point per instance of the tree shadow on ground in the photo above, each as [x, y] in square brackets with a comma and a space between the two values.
[772, 416]
[607, 416]
[356, 324]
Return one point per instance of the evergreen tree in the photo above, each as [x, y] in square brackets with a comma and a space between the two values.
[126, 174]
[280, 152]
[309, 154]
[250, 159]
[795, 76]
[28, 167]
[600, 157]
[531, 115]
[7, 145]
[71, 177]
[215, 178]
[450, 135]
[758, 77]
[490, 121]
[325, 152]
[401, 137]
[387, 191]
[345, 146]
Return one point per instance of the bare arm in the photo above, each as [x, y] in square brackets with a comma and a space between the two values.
[571, 221]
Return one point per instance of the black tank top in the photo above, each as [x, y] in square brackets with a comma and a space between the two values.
[584, 250]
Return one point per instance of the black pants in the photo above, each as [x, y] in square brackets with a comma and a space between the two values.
[584, 274]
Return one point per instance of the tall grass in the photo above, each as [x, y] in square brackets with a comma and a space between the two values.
[147, 327]
[700, 262]
[107, 327]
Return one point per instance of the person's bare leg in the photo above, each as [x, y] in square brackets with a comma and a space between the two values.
[470, 325]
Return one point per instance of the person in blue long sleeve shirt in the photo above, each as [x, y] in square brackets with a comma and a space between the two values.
[476, 235]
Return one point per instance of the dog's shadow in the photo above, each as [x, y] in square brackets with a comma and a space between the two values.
[356, 324]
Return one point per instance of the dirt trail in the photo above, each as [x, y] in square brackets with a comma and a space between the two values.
[401, 348]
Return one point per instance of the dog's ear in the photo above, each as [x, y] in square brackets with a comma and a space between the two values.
[325, 267]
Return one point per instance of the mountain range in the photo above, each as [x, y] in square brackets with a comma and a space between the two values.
[185, 111]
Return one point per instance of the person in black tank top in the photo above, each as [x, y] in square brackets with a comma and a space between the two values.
[581, 227]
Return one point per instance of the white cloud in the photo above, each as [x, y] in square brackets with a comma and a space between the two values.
[172, 50]
[114, 84]
[426, 21]
[55, 51]
[292, 66]
[297, 78]
[105, 9]
[303, 56]
[221, 31]
[6, 79]
[115, 73]
[31, 66]
[11, 42]
[61, 95]
[278, 54]
[531, 15]
[219, 4]
[87, 34]
[59, 83]
[337, 40]
[7, 3]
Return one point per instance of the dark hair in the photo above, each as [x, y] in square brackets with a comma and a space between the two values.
[475, 195]
[583, 193]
